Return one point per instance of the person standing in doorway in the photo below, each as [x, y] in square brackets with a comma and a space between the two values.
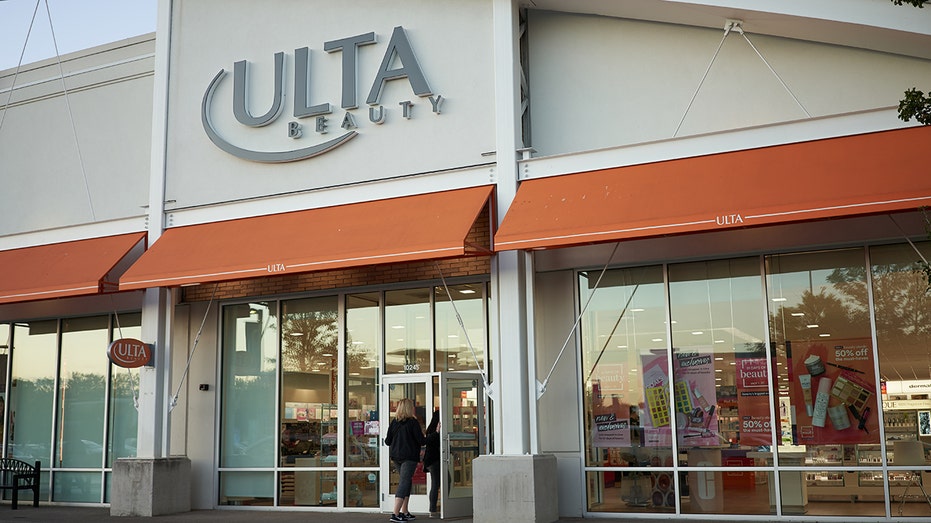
[431, 460]
[404, 439]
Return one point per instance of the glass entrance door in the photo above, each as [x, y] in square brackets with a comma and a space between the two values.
[462, 439]
[460, 399]
[420, 388]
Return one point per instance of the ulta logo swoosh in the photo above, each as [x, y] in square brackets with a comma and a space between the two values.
[261, 156]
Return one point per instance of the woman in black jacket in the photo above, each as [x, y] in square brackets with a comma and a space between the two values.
[404, 440]
[431, 459]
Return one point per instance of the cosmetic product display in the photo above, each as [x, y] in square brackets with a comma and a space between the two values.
[848, 391]
[820, 412]
[805, 381]
[862, 424]
[839, 417]
[683, 398]
[814, 365]
[844, 367]
[702, 402]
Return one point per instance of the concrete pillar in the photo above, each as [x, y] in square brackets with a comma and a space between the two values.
[516, 489]
[150, 487]
[512, 484]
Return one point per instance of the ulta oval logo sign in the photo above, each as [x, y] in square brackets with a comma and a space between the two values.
[398, 50]
[129, 353]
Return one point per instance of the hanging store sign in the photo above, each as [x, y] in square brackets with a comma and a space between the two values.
[129, 353]
[321, 115]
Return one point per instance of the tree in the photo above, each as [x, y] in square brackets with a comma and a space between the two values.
[915, 104]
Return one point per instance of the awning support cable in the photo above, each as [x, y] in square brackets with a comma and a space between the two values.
[129, 371]
[740, 30]
[19, 64]
[727, 30]
[541, 387]
[74, 130]
[174, 399]
[737, 25]
[613, 329]
[488, 390]
[922, 256]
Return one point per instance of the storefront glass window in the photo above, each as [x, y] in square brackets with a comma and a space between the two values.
[81, 394]
[902, 304]
[408, 333]
[362, 363]
[309, 370]
[5, 342]
[125, 384]
[457, 349]
[825, 367]
[627, 395]
[249, 437]
[32, 389]
[720, 380]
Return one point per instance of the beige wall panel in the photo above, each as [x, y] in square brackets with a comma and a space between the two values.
[599, 82]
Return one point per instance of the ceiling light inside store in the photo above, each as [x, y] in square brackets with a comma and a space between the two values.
[812, 325]
[824, 335]
[719, 341]
[798, 314]
[697, 333]
[467, 291]
[719, 358]
[657, 339]
[779, 299]
[636, 310]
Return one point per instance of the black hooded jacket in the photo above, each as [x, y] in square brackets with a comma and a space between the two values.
[404, 440]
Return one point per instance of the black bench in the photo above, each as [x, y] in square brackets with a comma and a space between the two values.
[18, 475]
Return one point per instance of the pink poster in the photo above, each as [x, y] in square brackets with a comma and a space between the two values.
[753, 401]
[696, 399]
[656, 414]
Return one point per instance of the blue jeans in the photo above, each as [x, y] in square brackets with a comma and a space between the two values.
[406, 470]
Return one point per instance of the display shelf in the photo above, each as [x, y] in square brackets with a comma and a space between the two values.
[869, 455]
[826, 455]
[824, 479]
[900, 426]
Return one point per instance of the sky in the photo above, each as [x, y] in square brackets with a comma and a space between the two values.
[78, 24]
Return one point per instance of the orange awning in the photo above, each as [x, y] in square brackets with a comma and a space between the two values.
[863, 174]
[426, 226]
[64, 269]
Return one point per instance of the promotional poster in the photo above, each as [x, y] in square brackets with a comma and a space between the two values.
[753, 401]
[696, 406]
[611, 424]
[833, 389]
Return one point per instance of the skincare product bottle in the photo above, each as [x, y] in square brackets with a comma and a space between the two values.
[839, 417]
[820, 413]
[702, 402]
[805, 381]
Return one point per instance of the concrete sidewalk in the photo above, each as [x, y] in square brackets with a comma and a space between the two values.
[59, 513]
